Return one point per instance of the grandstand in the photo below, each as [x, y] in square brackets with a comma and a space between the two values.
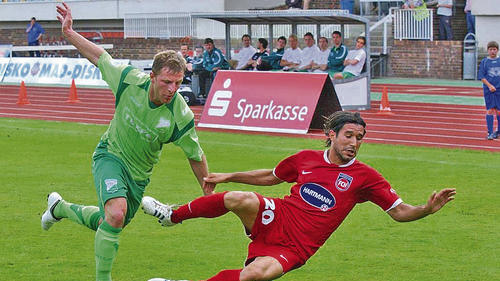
[117, 23]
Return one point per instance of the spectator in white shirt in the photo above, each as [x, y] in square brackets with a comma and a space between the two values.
[444, 11]
[245, 53]
[320, 63]
[309, 53]
[292, 56]
[354, 61]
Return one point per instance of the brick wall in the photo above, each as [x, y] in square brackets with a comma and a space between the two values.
[324, 4]
[427, 59]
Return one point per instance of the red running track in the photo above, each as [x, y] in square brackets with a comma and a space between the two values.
[420, 124]
[429, 90]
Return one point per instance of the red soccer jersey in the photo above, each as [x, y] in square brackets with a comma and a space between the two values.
[325, 193]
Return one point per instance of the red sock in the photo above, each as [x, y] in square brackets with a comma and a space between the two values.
[227, 275]
[209, 206]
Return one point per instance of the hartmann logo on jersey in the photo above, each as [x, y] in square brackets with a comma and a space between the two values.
[317, 196]
[343, 182]
[262, 101]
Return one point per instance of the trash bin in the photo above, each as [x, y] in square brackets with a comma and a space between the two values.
[470, 57]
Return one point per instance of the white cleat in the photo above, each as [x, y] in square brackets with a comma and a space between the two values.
[48, 218]
[157, 209]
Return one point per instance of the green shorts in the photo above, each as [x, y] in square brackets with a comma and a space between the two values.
[112, 180]
[346, 75]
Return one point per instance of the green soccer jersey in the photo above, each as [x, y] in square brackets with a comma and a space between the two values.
[140, 128]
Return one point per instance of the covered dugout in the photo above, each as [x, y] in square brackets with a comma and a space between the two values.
[352, 93]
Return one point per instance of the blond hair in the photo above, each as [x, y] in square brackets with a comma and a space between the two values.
[169, 59]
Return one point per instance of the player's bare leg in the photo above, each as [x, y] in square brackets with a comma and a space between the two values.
[243, 204]
[262, 268]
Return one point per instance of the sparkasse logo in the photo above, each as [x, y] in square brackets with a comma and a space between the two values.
[220, 101]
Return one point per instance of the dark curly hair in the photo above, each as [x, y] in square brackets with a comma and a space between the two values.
[337, 120]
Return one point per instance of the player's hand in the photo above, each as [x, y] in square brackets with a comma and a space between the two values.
[216, 178]
[208, 187]
[65, 17]
[492, 88]
[438, 200]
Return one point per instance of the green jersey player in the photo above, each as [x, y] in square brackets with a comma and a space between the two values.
[149, 113]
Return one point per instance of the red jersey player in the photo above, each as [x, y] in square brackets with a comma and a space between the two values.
[286, 232]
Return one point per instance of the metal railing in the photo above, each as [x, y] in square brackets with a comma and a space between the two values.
[413, 24]
[159, 25]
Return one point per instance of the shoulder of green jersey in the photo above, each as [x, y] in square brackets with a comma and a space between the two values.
[136, 77]
[182, 113]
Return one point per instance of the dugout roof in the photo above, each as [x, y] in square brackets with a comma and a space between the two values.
[284, 17]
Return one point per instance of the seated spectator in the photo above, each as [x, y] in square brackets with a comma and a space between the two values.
[262, 52]
[337, 55]
[320, 62]
[412, 4]
[244, 54]
[213, 60]
[297, 4]
[354, 61]
[197, 66]
[189, 62]
[309, 53]
[291, 56]
[272, 62]
[197, 61]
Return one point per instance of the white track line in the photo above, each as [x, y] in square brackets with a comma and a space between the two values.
[420, 128]
[58, 111]
[424, 135]
[41, 117]
[436, 143]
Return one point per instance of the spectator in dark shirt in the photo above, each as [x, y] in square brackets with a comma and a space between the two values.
[262, 52]
[297, 4]
[189, 62]
[213, 60]
[272, 62]
[338, 53]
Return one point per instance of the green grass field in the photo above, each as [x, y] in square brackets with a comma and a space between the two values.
[461, 242]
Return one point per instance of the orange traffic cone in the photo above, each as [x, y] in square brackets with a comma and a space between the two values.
[384, 103]
[73, 96]
[23, 95]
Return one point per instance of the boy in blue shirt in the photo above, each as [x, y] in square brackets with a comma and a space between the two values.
[489, 74]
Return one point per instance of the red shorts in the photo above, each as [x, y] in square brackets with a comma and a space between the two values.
[269, 238]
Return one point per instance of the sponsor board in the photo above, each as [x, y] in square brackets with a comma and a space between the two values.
[264, 101]
[5, 50]
[52, 71]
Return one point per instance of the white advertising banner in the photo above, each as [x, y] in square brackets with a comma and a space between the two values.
[60, 71]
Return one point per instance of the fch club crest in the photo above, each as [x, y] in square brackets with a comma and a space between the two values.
[343, 182]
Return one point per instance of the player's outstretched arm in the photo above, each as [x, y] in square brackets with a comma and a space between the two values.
[405, 212]
[200, 170]
[88, 49]
[255, 177]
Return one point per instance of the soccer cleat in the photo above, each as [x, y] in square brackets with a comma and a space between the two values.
[48, 218]
[157, 209]
[490, 136]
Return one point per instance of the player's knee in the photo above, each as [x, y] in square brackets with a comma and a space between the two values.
[237, 199]
[253, 274]
[115, 218]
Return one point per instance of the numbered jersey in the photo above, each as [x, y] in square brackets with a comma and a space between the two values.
[325, 193]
